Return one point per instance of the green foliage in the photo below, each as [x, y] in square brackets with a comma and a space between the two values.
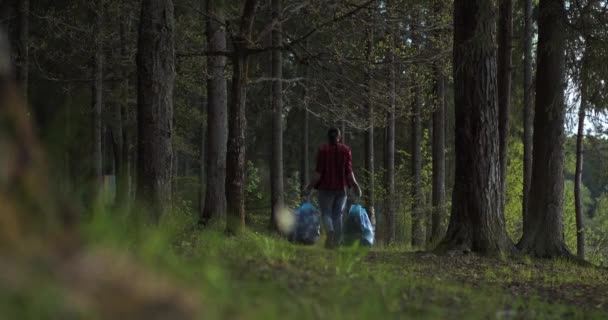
[253, 190]
[514, 190]
[293, 191]
[596, 233]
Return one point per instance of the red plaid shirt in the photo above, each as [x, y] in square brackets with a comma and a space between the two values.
[334, 165]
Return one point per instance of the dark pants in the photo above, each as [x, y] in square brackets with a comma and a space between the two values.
[332, 205]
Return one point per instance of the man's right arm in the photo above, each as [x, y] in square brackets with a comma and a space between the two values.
[353, 183]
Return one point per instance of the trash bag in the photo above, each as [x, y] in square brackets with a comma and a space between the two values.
[307, 226]
[358, 227]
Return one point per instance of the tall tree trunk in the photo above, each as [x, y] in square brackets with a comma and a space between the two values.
[123, 128]
[201, 164]
[217, 115]
[578, 176]
[155, 82]
[97, 104]
[543, 231]
[235, 173]
[505, 34]
[476, 222]
[528, 111]
[369, 133]
[23, 46]
[438, 150]
[416, 168]
[389, 153]
[276, 172]
[305, 143]
[116, 130]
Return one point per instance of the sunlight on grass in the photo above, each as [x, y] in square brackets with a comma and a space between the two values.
[261, 276]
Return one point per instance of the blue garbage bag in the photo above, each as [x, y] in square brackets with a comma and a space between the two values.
[307, 227]
[358, 227]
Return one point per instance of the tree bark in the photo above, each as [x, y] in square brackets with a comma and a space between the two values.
[23, 47]
[123, 128]
[528, 111]
[476, 222]
[543, 231]
[276, 172]
[438, 150]
[97, 104]
[305, 146]
[505, 34]
[418, 235]
[369, 133]
[235, 173]
[155, 82]
[217, 116]
[389, 153]
[578, 176]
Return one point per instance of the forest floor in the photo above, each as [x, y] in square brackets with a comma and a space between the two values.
[352, 283]
[260, 276]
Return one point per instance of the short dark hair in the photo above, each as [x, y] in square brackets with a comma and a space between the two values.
[332, 135]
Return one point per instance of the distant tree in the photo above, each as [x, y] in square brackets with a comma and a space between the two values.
[369, 133]
[235, 173]
[155, 81]
[217, 116]
[543, 229]
[578, 177]
[305, 137]
[389, 153]
[23, 58]
[476, 222]
[528, 113]
[418, 235]
[276, 163]
[438, 128]
[504, 65]
[97, 98]
[438, 150]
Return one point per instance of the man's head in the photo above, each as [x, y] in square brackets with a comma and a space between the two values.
[334, 136]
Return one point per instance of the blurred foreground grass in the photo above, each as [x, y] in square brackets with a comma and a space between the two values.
[124, 265]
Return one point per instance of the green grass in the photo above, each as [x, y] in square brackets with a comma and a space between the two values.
[260, 276]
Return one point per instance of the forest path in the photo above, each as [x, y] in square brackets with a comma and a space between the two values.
[356, 283]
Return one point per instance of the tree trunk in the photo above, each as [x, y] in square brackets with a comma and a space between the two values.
[201, 164]
[123, 127]
[369, 133]
[217, 116]
[305, 157]
[23, 47]
[117, 147]
[97, 104]
[389, 229]
[505, 34]
[416, 168]
[476, 222]
[276, 172]
[578, 176]
[235, 173]
[438, 150]
[543, 231]
[528, 111]
[155, 81]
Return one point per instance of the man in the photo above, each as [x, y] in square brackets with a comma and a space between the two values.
[333, 175]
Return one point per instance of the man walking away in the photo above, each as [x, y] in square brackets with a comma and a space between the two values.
[333, 175]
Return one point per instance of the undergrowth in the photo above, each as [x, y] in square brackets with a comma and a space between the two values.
[262, 276]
